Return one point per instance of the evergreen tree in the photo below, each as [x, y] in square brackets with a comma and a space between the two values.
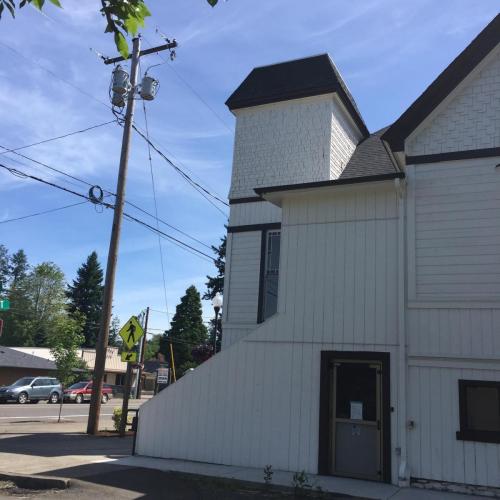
[18, 267]
[13, 274]
[85, 297]
[187, 331]
[4, 267]
[215, 284]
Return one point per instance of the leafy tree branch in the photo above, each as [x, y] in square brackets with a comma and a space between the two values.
[123, 17]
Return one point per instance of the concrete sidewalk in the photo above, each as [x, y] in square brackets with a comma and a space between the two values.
[344, 486]
[42, 447]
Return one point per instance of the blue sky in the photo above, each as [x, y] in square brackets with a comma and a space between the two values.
[388, 51]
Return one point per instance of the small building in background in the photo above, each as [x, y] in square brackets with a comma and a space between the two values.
[115, 368]
[16, 364]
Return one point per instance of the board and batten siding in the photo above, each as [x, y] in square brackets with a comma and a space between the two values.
[435, 452]
[454, 231]
[260, 395]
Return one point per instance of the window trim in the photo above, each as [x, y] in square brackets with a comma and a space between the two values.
[465, 434]
[262, 270]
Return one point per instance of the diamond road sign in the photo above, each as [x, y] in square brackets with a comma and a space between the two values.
[131, 332]
[129, 356]
[4, 305]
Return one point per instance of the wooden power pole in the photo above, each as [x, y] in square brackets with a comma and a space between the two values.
[109, 283]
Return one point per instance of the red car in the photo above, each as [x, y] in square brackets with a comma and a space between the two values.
[81, 391]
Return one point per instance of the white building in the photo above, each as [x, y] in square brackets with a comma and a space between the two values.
[362, 290]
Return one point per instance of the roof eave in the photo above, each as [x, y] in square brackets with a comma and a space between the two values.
[275, 194]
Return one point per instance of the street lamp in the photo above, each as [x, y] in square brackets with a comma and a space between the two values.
[217, 303]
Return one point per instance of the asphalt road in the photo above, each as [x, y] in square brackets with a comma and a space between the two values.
[43, 412]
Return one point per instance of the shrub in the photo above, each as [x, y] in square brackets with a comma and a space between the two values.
[117, 416]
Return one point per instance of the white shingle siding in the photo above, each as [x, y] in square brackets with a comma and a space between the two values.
[290, 142]
[343, 140]
[469, 119]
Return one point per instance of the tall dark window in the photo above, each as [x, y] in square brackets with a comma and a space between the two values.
[270, 266]
[479, 411]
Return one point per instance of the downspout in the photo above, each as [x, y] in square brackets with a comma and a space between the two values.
[403, 472]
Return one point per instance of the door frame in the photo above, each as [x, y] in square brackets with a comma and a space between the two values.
[325, 404]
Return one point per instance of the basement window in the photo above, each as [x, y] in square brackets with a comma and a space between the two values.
[479, 411]
[270, 264]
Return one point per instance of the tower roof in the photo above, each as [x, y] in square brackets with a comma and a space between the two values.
[295, 79]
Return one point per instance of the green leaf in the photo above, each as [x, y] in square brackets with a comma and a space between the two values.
[213, 3]
[38, 3]
[56, 3]
[143, 10]
[131, 25]
[121, 44]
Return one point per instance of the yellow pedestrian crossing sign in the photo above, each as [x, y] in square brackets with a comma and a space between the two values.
[131, 332]
[129, 356]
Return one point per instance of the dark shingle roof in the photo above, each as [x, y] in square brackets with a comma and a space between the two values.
[370, 158]
[293, 80]
[10, 358]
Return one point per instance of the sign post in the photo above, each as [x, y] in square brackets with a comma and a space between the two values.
[131, 333]
[4, 304]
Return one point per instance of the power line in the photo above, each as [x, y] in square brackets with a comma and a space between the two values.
[42, 213]
[58, 137]
[156, 206]
[197, 95]
[158, 219]
[54, 169]
[137, 207]
[24, 175]
[54, 75]
[169, 237]
[193, 183]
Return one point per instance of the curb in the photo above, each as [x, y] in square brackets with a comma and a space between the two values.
[36, 482]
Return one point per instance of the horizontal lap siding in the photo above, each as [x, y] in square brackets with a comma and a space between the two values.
[260, 212]
[244, 278]
[456, 239]
[435, 453]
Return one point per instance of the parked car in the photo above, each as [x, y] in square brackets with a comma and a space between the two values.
[32, 390]
[81, 391]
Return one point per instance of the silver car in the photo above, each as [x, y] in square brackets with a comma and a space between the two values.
[32, 390]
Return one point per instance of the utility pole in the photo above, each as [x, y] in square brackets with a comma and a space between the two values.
[107, 303]
[141, 357]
